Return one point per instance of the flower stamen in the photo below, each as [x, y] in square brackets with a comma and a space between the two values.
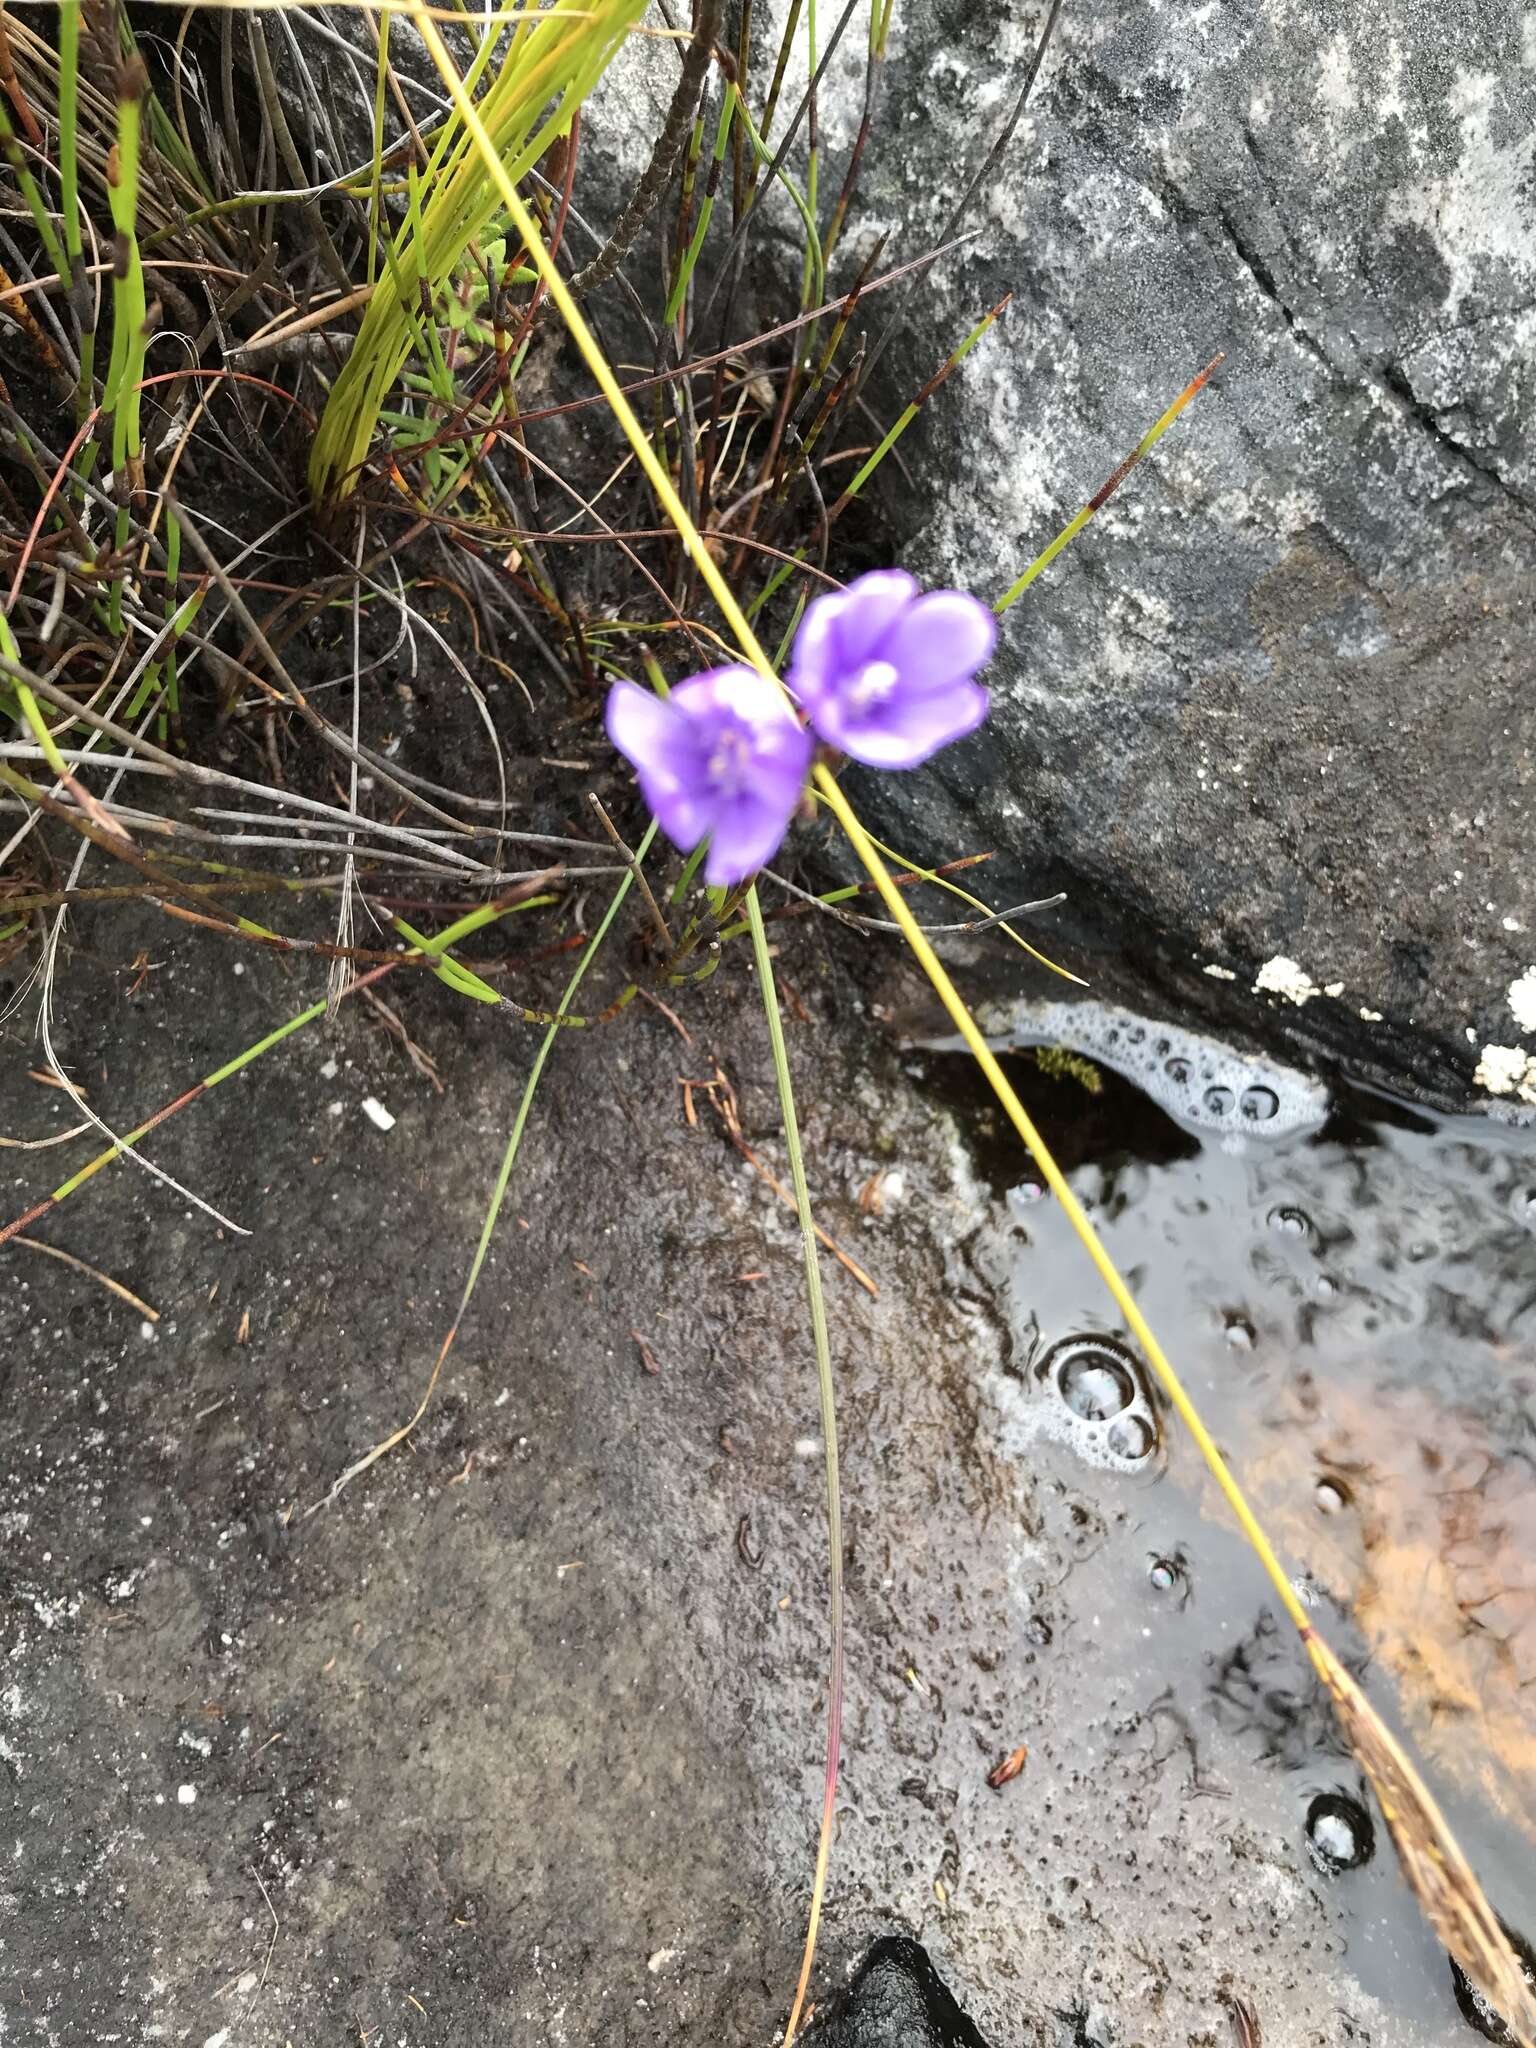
[728, 763]
[886, 672]
[873, 684]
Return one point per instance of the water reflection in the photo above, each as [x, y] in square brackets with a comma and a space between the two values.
[1353, 1310]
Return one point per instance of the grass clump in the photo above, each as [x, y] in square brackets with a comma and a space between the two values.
[537, 69]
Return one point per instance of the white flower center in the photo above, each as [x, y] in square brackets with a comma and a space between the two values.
[873, 684]
[730, 760]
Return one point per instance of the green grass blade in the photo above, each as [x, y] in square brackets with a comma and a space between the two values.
[1105, 492]
[554, 57]
[122, 399]
[679, 290]
[817, 271]
[827, 1396]
[376, 172]
[69, 210]
[69, 133]
[13, 153]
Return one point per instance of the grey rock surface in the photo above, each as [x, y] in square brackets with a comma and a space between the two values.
[1277, 700]
[520, 1739]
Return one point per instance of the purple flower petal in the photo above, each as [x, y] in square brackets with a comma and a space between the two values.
[842, 630]
[639, 722]
[885, 672]
[863, 614]
[663, 747]
[722, 757]
[781, 763]
[940, 639]
[746, 835]
[736, 689]
[911, 731]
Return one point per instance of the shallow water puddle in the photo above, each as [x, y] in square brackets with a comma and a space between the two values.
[1349, 1290]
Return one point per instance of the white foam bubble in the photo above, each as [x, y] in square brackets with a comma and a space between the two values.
[1038, 1409]
[1029, 1418]
[1203, 1084]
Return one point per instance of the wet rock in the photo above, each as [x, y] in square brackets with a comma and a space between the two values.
[1475, 2009]
[897, 2000]
[551, 1597]
[1340, 1834]
[1269, 711]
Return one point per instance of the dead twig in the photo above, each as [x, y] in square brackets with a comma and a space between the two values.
[626, 854]
[722, 1096]
[53, 1251]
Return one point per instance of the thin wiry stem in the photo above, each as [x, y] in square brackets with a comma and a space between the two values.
[827, 1397]
[859, 923]
[344, 925]
[668, 147]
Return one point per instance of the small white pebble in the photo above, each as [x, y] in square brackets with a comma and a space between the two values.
[377, 1114]
[329, 1070]
[1507, 1070]
[1283, 977]
[147, 1332]
[186, 1795]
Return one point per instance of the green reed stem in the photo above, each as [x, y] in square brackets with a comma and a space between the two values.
[1106, 490]
[827, 1397]
[122, 398]
[728, 104]
[873, 461]
[15, 155]
[81, 295]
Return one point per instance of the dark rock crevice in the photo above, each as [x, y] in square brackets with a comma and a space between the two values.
[1394, 380]
[896, 2000]
[1264, 277]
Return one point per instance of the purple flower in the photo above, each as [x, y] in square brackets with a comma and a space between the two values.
[885, 672]
[723, 756]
